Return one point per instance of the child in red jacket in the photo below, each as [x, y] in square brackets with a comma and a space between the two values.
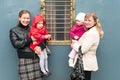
[40, 34]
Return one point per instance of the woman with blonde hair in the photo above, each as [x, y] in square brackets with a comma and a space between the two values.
[88, 44]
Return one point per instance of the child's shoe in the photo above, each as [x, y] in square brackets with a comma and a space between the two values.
[71, 64]
[44, 74]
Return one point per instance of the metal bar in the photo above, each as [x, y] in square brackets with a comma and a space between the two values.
[57, 14]
[58, 32]
[58, 18]
[56, 1]
[61, 27]
[58, 5]
[57, 10]
[58, 23]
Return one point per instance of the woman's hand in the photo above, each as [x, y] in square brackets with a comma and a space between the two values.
[33, 39]
[76, 45]
[37, 49]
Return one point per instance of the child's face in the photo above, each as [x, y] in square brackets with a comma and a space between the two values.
[40, 24]
[79, 22]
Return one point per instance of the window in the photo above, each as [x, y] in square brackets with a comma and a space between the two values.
[59, 16]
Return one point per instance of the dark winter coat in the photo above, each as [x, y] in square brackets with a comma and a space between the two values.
[20, 40]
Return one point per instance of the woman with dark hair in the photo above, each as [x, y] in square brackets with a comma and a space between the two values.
[29, 68]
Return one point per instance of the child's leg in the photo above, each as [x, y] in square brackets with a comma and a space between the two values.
[46, 60]
[42, 61]
[72, 54]
[71, 58]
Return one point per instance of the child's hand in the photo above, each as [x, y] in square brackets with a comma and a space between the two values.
[37, 50]
[48, 37]
[76, 37]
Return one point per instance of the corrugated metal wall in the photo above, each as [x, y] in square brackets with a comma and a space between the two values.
[108, 51]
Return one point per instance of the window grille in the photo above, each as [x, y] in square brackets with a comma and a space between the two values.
[59, 16]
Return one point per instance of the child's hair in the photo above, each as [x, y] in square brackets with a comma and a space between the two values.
[97, 25]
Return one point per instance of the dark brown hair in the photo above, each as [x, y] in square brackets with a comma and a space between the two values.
[23, 12]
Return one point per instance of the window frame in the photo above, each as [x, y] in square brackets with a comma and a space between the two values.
[72, 16]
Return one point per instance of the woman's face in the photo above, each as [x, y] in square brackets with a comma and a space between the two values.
[25, 19]
[89, 22]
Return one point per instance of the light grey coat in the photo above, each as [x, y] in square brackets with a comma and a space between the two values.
[89, 43]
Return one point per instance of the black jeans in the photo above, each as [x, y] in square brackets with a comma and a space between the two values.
[87, 75]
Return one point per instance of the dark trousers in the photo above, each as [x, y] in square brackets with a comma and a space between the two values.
[87, 75]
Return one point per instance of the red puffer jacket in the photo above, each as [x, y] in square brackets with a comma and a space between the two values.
[38, 34]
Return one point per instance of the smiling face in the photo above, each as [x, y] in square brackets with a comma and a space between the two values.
[89, 22]
[25, 19]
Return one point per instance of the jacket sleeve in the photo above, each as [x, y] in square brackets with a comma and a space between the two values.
[43, 45]
[85, 44]
[18, 42]
[76, 46]
[72, 32]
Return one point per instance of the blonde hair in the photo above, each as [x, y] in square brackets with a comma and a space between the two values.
[97, 25]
